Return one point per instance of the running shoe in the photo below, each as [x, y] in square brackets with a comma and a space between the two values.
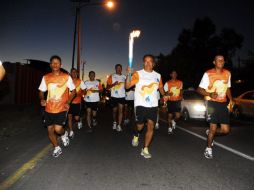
[173, 124]
[94, 123]
[114, 125]
[57, 151]
[170, 130]
[118, 128]
[65, 139]
[71, 134]
[156, 126]
[89, 129]
[207, 133]
[208, 153]
[80, 125]
[134, 141]
[145, 153]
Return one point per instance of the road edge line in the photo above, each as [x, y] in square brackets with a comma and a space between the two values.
[246, 156]
[7, 183]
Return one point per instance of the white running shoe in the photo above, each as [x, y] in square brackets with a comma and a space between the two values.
[80, 125]
[208, 153]
[173, 124]
[94, 123]
[170, 130]
[114, 125]
[156, 126]
[71, 134]
[118, 128]
[207, 133]
[57, 151]
[134, 141]
[145, 153]
[65, 139]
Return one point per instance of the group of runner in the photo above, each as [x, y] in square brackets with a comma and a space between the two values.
[138, 92]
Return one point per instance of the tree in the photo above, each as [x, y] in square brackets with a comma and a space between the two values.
[196, 49]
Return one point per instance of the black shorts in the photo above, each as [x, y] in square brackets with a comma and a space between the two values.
[144, 113]
[129, 103]
[115, 101]
[55, 118]
[174, 106]
[75, 109]
[92, 105]
[217, 112]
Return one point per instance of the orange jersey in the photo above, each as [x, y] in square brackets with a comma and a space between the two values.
[79, 91]
[175, 88]
[58, 93]
[216, 82]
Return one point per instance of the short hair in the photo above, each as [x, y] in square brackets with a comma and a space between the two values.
[217, 55]
[149, 55]
[91, 73]
[55, 57]
[73, 69]
[118, 65]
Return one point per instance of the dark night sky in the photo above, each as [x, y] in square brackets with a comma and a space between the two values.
[37, 29]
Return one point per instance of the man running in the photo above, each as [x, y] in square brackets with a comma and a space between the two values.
[116, 84]
[75, 106]
[215, 86]
[173, 88]
[58, 85]
[129, 105]
[147, 83]
[92, 89]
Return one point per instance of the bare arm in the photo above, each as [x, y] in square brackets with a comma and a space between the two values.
[204, 93]
[229, 95]
[2, 71]
[41, 97]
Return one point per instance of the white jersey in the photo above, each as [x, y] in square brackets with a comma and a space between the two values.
[146, 90]
[92, 96]
[118, 91]
[129, 95]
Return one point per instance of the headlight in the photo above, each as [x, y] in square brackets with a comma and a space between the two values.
[107, 98]
[199, 107]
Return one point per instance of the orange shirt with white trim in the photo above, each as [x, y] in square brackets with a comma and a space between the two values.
[58, 87]
[79, 85]
[174, 87]
[213, 81]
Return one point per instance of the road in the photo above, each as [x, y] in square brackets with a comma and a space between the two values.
[106, 160]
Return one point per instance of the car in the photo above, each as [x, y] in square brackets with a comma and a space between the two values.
[244, 105]
[193, 105]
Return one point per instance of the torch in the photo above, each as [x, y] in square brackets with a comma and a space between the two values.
[133, 34]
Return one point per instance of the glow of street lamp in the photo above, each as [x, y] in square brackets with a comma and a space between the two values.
[110, 4]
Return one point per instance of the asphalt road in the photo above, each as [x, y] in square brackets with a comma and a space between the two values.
[106, 160]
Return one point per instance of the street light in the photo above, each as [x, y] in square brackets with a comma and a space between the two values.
[110, 4]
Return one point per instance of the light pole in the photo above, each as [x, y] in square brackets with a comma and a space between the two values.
[110, 4]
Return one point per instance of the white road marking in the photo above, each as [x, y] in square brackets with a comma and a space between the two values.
[246, 156]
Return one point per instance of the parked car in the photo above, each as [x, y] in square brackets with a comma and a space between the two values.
[244, 105]
[193, 105]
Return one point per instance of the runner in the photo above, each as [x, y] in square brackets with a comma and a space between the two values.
[173, 88]
[58, 102]
[116, 83]
[92, 89]
[75, 106]
[215, 86]
[129, 105]
[147, 83]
